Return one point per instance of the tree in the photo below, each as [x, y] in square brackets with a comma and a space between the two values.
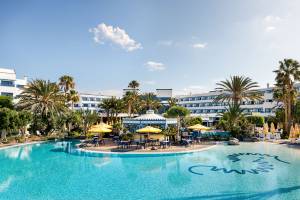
[132, 102]
[149, 102]
[25, 119]
[6, 102]
[190, 121]
[4, 121]
[73, 97]
[73, 120]
[117, 107]
[107, 106]
[133, 84]
[172, 102]
[66, 83]
[179, 112]
[256, 120]
[234, 121]
[88, 119]
[296, 112]
[286, 75]
[45, 100]
[42, 97]
[112, 107]
[9, 121]
[236, 89]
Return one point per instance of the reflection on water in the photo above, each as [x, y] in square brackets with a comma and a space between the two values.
[101, 162]
[176, 177]
[22, 153]
[6, 183]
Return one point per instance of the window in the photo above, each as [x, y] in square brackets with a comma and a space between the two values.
[7, 94]
[269, 100]
[268, 91]
[7, 83]
[21, 86]
[84, 99]
[268, 110]
[85, 105]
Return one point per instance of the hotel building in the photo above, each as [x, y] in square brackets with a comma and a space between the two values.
[203, 105]
[9, 84]
[88, 101]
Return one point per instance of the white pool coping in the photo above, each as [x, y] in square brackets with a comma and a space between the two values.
[22, 144]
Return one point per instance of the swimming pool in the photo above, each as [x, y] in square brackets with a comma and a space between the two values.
[54, 171]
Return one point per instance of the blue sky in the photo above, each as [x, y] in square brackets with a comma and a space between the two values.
[184, 45]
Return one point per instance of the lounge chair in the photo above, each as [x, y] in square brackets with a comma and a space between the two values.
[186, 142]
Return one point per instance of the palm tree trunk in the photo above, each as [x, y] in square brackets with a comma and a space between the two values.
[129, 110]
[286, 126]
[289, 114]
[178, 128]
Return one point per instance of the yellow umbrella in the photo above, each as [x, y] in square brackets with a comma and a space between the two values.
[272, 129]
[266, 129]
[292, 133]
[199, 127]
[103, 125]
[149, 129]
[297, 130]
[95, 129]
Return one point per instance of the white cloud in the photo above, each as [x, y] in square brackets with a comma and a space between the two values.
[150, 82]
[271, 22]
[155, 66]
[192, 89]
[272, 19]
[165, 42]
[270, 28]
[195, 87]
[199, 45]
[106, 33]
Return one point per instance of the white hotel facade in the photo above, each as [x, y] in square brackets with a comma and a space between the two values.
[89, 101]
[203, 105]
[9, 84]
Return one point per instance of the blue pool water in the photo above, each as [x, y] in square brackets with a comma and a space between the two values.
[53, 171]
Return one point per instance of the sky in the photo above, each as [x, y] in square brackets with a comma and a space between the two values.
[184, 45]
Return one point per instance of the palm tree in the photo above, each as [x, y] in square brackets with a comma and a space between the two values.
[43, 98]
[133, 84]
[179, 112]
[73, 97]
[172, 102]
[117, 107]
[106, 105]
[237, 89]
[149, 102]
[66, 83]
[231, 120]
[88, 119]
[112, 107]
[131, 100]
[286, 75]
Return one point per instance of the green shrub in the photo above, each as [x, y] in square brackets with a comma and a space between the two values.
[74, 134]
[256, 120]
